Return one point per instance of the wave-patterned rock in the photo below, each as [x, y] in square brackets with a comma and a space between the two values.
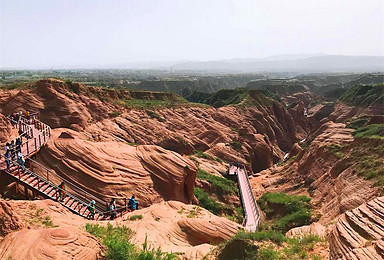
[52, 243]
[359, 233]
[175, 226]
[115, 169]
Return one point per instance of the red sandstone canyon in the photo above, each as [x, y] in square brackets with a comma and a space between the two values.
[175, 158]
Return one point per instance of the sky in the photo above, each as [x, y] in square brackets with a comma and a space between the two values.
[59, 33]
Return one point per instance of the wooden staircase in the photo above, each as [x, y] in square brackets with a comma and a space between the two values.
[51, 191]
[37, 134]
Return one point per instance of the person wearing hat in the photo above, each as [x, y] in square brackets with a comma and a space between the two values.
[92, 209]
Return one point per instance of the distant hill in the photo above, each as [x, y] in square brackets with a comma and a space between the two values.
[323, 63]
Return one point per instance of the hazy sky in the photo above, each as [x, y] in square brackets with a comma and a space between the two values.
[45, 33]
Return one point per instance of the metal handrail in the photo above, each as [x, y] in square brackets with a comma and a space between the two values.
[65, 180]
[24, 124]
[248, 190]
[52, 184]
[256, 209]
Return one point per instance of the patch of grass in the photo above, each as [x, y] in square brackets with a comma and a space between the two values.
[286, 211]
[267, 253]
[335, 149]
[368, 160]
[201, 154]
[239, 215]
[221, 185]
[194, 212]
[235, 145]
[374, 131]
[300, 248]
[357, 123]
[152, 104]
[278, 246]
[181, 140]
[47, 222]
[114, 114]
[153, 114]
[270, 235]
[135, 217]
[364, 95]
[206, 202]
[38, 216]
[117, 241]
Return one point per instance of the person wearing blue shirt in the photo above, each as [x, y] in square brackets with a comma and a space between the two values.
[132, 203]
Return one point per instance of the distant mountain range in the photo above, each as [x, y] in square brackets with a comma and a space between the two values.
[292, 63]
[298, 63]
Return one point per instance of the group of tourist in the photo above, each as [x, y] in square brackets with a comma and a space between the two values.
[12, 152]
[111, 208]
[16, 117]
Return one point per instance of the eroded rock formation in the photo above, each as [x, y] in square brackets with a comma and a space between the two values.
[116, 169]
[52, 243]
[359, 233]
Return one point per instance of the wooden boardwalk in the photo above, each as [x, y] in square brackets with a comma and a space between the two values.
[251, 210]
[35, 134]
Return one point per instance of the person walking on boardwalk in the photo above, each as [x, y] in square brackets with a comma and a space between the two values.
[92, 209]
[12, 148]
[8, 159]
[21, 161]
[62, 191]
[18, 145]
[132, 203]
[112, 208]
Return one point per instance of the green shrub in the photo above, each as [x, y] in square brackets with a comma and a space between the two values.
[207, 203]
[239, 215]
[152, 104]
[368, 159]
[201, 154]
[114, 114]
[268, 253]
[282, 247]
[135, 217]
[357, 123]
[335, 149]
[220, 184]
[236, 145]
[364, 95]
[286, 211]
[153, 114]
[117, 241]
[270, 235]
[48, 222]
[374, 131]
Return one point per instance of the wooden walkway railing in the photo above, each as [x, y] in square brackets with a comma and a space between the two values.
[251, 209]
[35, 134]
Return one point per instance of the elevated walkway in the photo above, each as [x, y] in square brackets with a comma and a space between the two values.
[35, 134]
[251, 209]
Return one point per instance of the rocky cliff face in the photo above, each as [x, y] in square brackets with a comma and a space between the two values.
[359, 233]
[255, 135]
[115, 169]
